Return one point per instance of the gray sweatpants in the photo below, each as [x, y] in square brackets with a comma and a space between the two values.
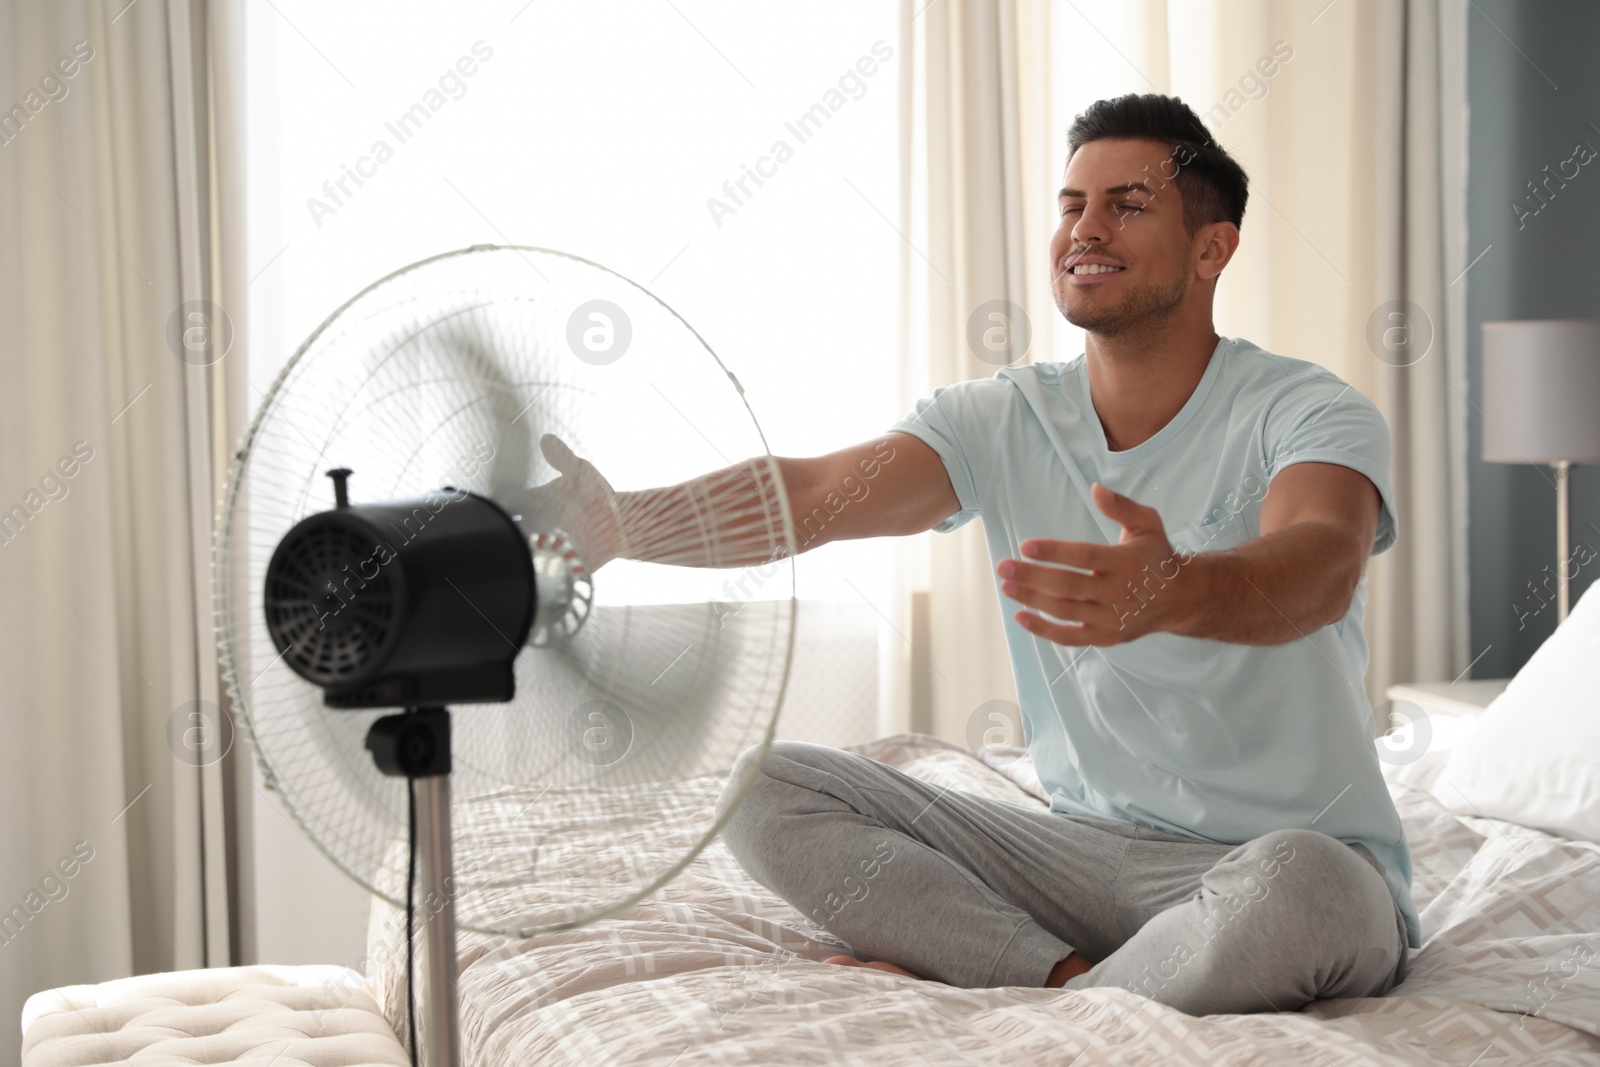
[976, 892]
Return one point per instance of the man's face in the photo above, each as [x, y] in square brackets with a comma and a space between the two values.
[1121, 257]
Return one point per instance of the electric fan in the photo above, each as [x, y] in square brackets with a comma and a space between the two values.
[431, 591]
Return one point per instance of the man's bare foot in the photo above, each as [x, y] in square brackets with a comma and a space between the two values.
[879, 965]
[1066, 970]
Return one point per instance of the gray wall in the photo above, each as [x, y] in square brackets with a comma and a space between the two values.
[1550, 268]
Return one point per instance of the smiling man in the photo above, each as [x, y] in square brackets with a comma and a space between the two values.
[1181, 522]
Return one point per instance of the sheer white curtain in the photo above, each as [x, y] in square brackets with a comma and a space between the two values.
[605, 130]
[1350, 118]
[979, 153]
[1417, 183]
[114, 854]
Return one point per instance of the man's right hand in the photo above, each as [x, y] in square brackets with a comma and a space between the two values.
[579, 501]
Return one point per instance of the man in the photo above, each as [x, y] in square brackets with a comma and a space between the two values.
[1184, 521]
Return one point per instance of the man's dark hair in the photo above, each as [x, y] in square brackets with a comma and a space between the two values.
[1211, 184]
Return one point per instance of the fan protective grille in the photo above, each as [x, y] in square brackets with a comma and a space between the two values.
[448, 373]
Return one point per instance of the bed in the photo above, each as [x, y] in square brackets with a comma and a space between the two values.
[714, 969]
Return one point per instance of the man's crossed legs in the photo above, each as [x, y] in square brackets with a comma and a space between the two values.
[975, 892]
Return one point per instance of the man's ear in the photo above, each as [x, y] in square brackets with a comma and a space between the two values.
[1217, 241]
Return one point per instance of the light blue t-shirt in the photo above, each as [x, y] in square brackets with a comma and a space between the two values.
[1217, 740]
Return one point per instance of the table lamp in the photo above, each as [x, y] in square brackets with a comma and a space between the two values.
[1541, 404]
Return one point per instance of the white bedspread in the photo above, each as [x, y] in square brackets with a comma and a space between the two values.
[715, 969]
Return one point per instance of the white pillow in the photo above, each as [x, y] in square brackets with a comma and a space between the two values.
[1535, 757]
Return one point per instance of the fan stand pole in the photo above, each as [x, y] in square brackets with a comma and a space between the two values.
[416, 745]
[442, 1026]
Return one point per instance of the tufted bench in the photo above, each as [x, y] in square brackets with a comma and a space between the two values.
[282, 1016]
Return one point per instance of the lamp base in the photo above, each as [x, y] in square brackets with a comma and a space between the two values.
[1563, 537]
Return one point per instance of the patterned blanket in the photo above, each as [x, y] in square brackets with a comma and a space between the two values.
[714, 969]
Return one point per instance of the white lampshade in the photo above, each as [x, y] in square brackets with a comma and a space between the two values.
[1541, 391]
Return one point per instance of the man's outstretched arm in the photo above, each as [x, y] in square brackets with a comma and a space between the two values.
[891, 485]
[1318, 523]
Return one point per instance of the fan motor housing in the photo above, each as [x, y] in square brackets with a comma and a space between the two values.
[422, 601]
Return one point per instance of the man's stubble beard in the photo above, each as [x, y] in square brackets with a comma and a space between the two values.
[1139, 310]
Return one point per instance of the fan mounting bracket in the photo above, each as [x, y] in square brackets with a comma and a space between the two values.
[414, 744]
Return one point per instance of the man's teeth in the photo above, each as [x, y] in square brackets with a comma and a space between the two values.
[1093, 268]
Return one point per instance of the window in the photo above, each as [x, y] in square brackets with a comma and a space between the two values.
[741, 162]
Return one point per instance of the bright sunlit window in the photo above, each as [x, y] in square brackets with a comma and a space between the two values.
[739, 162]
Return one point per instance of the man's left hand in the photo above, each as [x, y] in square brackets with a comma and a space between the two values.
[1132, 588]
